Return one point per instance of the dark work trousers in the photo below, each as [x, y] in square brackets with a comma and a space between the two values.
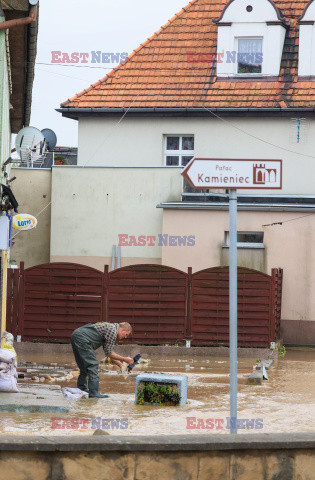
[84, 341]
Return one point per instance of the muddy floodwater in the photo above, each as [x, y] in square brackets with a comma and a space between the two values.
[284, 403]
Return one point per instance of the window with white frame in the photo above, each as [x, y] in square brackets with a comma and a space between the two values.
[249, 29]
[250, 56]
[178, 150]
[247, 239]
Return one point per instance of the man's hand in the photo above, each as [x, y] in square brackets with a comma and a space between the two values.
[114, 356]
[128, 360]
[118, 363]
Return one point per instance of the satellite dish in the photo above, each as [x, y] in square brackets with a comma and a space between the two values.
[30, 144]
[50, 137]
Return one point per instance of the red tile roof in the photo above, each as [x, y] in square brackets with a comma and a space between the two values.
[160, 74]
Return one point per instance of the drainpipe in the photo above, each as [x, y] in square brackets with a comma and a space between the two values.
[20, 21]
[113, 257]
[119, 256]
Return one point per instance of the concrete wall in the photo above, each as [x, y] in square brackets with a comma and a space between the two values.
[287, 246]
[92, 206]
[140, 142]
[190, 457]
[5, 130]
[32, 189]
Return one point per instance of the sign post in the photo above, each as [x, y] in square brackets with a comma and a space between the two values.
[4, 246]
[233, 174]
[233, 311]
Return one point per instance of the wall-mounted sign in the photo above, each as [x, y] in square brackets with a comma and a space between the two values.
[234, 174]
[24, 221]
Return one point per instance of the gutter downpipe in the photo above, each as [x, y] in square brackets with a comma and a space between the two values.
[20, 21]
[113, 257]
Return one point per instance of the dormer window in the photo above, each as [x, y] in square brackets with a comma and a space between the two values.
[251, 36]
[307, 41]
[249, 58]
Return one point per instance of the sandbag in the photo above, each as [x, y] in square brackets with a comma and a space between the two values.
[8, 356]
[73, 393]
[10, 348]
[8, 374]
[8, 382]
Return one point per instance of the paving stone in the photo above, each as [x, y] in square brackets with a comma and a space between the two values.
[34, 399]
[7, 408]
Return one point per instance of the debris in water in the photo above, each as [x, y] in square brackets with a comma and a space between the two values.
[100, 432]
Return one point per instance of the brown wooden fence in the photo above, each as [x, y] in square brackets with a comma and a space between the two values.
[164, 305]
[210, 307]
[153, 299]
[54, 299]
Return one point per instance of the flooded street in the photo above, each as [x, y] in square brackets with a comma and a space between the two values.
[284, 403]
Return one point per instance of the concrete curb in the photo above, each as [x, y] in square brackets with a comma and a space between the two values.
[174, 443]
[132, 350]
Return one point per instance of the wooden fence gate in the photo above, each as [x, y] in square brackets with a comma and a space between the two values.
[164, 305]
[53, 300]
[153, 299]
[258, 321]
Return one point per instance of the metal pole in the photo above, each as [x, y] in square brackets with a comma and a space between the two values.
[118, 256]
[4, 294]
[113, 257]
[233, 311]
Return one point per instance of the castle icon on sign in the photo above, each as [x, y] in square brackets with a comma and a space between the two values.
[263, 175]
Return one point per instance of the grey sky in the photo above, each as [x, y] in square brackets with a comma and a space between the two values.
[81, 26]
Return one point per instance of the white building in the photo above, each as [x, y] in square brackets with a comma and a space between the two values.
[219, 80]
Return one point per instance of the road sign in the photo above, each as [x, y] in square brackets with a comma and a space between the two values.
[234, 173]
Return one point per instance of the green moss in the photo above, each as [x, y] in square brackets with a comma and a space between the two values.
[150, 393]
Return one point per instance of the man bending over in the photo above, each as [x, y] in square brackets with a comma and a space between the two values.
[90, 337]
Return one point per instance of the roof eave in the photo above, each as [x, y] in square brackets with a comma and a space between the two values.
[31, 55]
[76, 113]
[22, 62]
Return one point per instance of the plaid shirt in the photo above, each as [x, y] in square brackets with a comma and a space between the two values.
[108, 332]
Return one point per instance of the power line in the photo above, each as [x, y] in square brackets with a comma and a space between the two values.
[68, 65]
[110, 133]
[286, 221]
[254, 136]
[37, 215]
[118, 123]
[62, 75]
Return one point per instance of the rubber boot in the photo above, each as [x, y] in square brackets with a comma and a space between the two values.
[84, 389]
[93, 390]
[81, 383]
